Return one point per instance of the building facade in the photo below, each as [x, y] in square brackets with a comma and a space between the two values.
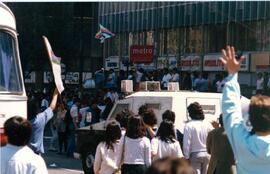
[183, 32]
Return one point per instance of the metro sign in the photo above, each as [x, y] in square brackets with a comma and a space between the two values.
[141, 53]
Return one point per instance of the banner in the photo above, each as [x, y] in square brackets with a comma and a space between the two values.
[162, 62]
[190, 63]
[30, 78]
[56, 66]
[112, 62]
[72, 78]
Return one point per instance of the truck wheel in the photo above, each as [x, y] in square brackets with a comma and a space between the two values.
[88, 163]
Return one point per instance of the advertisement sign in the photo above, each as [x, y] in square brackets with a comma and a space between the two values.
[141, 53]
[162, 62]
[259, 61]
[30, 77]
[190, 63]
[72, 78]
[212, 62]
[172, 60]
[112, 62]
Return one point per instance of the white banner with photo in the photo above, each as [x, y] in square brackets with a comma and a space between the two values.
[72, 78]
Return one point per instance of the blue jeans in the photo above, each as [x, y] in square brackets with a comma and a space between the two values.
[70, 140]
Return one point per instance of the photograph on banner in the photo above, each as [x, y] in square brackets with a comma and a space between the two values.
[190, 63]
[112, 62]
[30, 77]
[72, 78]
[87, 80]
[47, 77]
[172, 62]
[162, 62]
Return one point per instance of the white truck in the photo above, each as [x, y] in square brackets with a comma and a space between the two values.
[89, 137]
[13, 99]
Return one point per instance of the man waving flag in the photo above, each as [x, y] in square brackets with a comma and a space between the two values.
[56, 66]
[103, 34]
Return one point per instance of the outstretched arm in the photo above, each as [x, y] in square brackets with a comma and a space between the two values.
[54, 99]
[231, 104]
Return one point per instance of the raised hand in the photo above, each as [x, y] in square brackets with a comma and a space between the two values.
[229, 60]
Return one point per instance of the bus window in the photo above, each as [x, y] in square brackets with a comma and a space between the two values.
[10, 80]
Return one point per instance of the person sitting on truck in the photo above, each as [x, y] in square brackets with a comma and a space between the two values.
[251, 150]
[39, 121]
[195, 135]
[109, 152]
[137, 148]
[170, 115]
[165, 144]
[150, 120]
[16, 156]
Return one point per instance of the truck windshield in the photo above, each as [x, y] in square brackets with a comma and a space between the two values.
[10, 80]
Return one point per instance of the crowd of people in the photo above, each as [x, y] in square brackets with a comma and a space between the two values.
[135, 144]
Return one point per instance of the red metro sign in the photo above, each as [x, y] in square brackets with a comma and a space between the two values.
[141, 53]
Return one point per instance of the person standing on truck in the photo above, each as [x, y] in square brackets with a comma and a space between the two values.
[109, 152]
[16, 156]
[39, 121]
[137, 148]
[251, 149]
[195, 135]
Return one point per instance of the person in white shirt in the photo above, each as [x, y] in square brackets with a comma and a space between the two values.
[137, 148]
[74, 112]
[165, 144]
[166, 78]
[16, 156]
[195, 135]
[109, 152]
[175, 75]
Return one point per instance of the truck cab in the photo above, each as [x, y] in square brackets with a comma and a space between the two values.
[13, 98]
[160, 101]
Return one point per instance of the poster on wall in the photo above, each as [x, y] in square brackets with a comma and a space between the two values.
[172, 61]
[47, 77]
[162, 62]
[72, 78]
[30, 77]
[190, 63]
[112, 62]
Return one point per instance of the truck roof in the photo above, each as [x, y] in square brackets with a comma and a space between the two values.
[7, 18]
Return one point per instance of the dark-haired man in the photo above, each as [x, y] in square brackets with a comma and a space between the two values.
[39, 121]
[252, 151]
[16, 156]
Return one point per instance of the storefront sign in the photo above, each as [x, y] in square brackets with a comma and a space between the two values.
[190, 63]
[212, 62]
[259, 61]
[141, 53]
[112, 62]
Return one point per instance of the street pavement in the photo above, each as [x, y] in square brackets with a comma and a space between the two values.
[60, 164]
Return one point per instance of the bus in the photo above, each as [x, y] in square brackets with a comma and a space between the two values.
[13, 99]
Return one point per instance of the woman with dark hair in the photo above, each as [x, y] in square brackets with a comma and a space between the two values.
[150, 120]
[136, 152]
[195, 135]
[108, 153]
[165, 144]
